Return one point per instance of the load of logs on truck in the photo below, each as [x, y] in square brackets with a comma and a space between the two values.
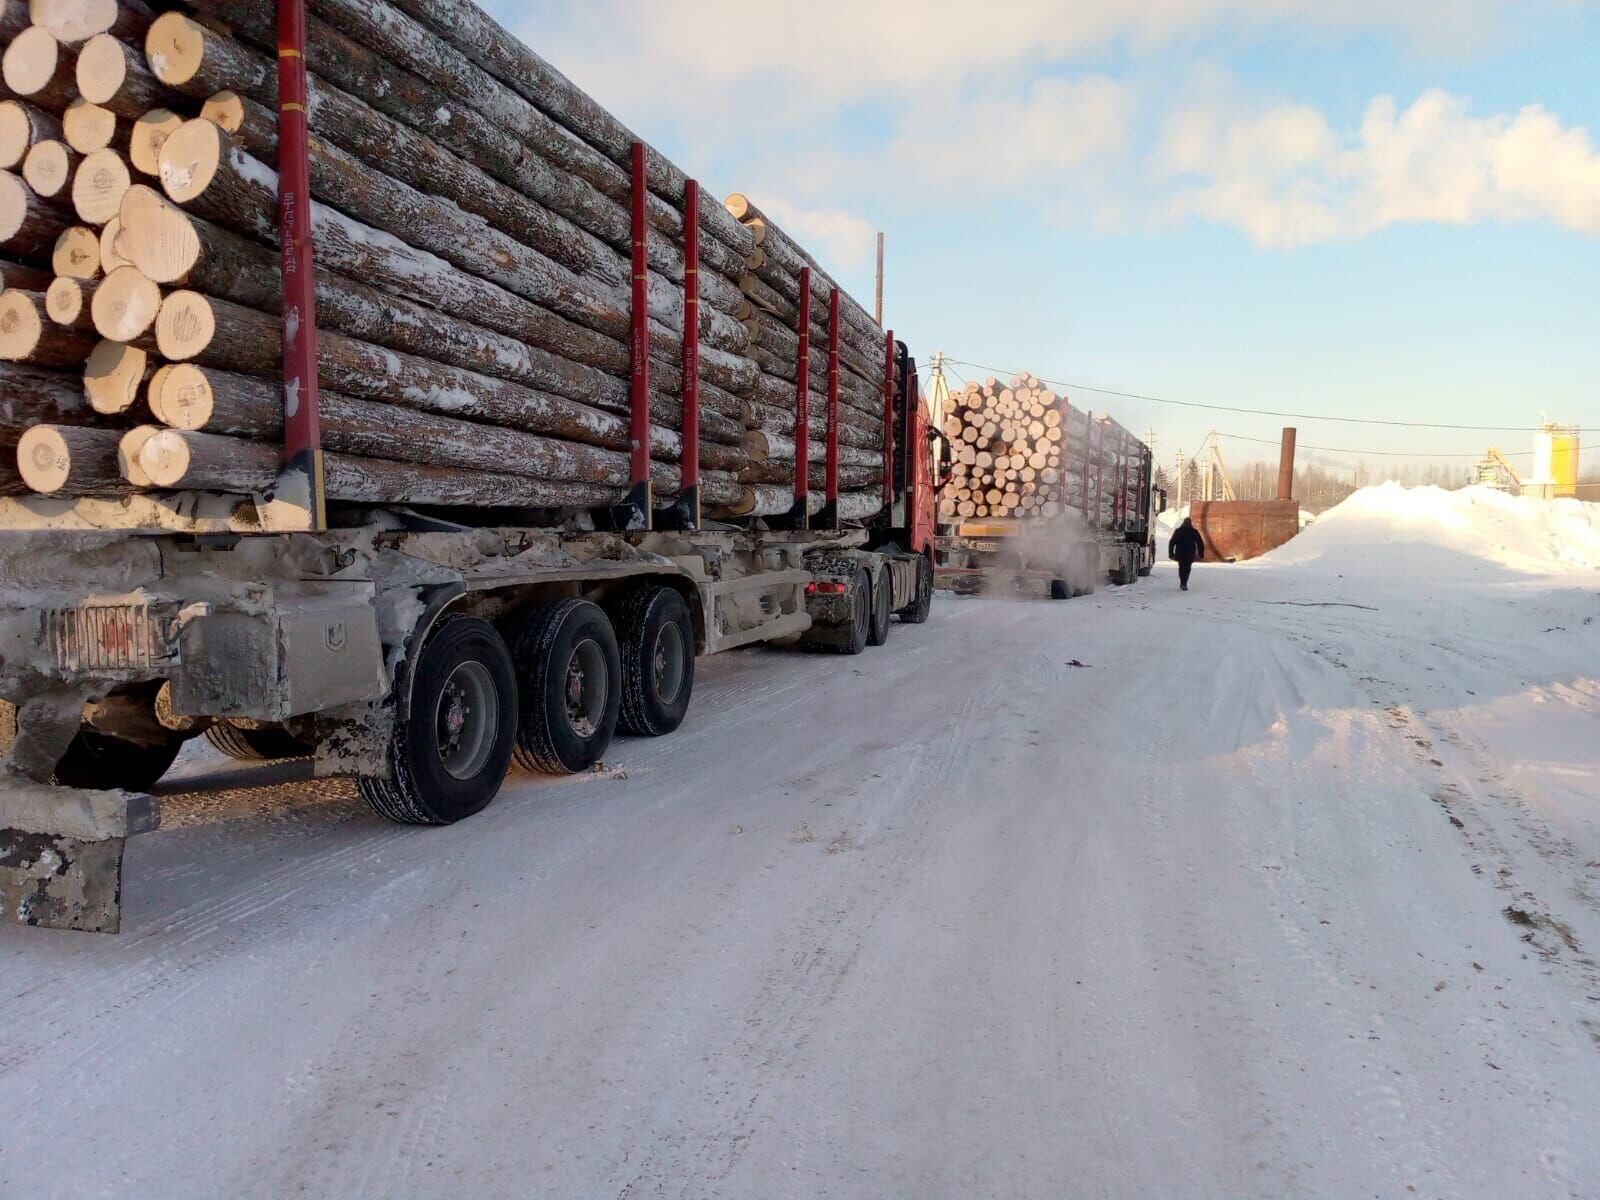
[368, 393]
[1041, 497]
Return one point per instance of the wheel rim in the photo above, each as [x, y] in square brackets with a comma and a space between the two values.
[669, 662]
[467, 720]
[586, 687]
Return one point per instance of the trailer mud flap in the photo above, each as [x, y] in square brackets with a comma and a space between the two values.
[61, 854]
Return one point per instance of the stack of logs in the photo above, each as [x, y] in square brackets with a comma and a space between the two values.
[1009, 450]
[472, 240]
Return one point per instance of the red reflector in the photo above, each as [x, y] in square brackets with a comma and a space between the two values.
[825, 589]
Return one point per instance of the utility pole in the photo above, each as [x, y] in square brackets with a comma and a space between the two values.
[1180, 471]
[879, 313]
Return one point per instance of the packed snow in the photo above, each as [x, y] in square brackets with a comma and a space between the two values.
[1286, 886]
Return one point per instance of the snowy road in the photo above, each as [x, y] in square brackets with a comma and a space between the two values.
[1240, 907]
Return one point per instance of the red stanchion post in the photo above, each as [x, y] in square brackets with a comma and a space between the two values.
[799, 516]
[302, 425]
[686, 512]
[888, 421]
[831, 501]
[636, 511]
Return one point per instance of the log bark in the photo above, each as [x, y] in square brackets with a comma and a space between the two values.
[781, 421]
[223, 264]
[438, 146]
[483, 41]
[72, 459]
[206, 461]
[31, 395]
[22, 126]
[194, 154]
[29, 225]
[395, 36]
[23, 275]
[777, 472]
[240, 193]
[27, 335]
[774, 501]
[784, 254]
[762, 445]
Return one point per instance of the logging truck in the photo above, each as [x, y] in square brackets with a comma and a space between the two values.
[1040, 497]
[416, 655]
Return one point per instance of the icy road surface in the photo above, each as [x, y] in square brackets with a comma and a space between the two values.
[1276, 895]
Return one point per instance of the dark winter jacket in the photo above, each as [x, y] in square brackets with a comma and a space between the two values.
[1186, 544]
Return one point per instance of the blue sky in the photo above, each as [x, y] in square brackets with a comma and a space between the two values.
[1354, 207]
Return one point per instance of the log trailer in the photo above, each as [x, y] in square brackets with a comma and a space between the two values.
[396, 644]
[1102, 530]
[416, 655]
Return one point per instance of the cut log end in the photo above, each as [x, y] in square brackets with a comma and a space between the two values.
[56, 458]
[99, 185]
[130, 449]
[47, 167]
[175, 46]
[164, 458]
[77, 253]
[149, 133]
[181, 397]
[16, 133]
[13, 205]
[73, 21]
[112, 376]
[226, 110]
[21, 325]
[185, 326]
[66, 301]
[88, 127]
[125, 305]
[102, 68]
[30, 61]
[156, 236]
[111, 256]
[190, 158]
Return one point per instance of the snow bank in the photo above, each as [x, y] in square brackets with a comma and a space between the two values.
[1395, 528]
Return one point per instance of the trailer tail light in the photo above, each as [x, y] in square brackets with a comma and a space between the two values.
[825, 589]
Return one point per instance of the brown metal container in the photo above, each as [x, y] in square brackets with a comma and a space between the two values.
[1235, 530]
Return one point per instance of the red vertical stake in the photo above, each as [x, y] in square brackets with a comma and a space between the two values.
[1088, 451]
[689, 466]
[799, 516]
[636, 510]
[302, 424]
[888, 421]
[1099, 474]
[832, 498]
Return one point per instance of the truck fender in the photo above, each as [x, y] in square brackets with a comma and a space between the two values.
[438, 601]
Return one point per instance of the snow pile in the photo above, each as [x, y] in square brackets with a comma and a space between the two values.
[1409, 531]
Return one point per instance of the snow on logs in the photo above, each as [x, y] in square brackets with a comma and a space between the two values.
[471, 220]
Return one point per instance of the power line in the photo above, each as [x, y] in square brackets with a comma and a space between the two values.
[1239, 437]
[1260, 412]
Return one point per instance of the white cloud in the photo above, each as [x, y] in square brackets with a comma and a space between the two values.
[764, 65]
[1287, 179]
[840, 241]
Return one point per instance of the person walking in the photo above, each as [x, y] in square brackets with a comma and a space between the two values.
[1186, 546]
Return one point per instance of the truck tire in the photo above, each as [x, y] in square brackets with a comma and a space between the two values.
[861, 612]
[570, 671]
[655, 640]
[916, 613]
[450, 755]
[255, 745]
[882, 599]
[101, 762]
[1059, 590]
